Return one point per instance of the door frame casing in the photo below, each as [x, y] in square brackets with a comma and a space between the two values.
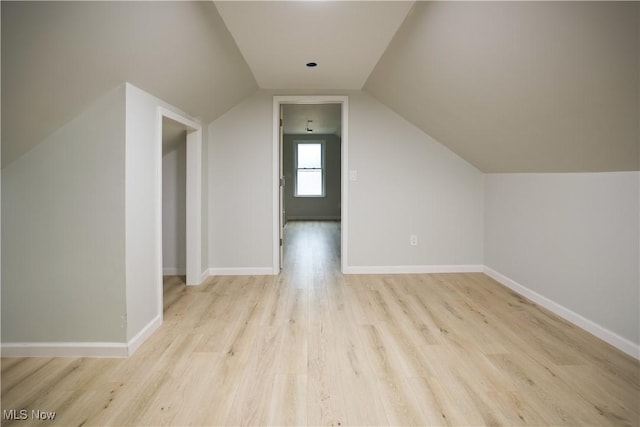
[344, 196]
[193, 197]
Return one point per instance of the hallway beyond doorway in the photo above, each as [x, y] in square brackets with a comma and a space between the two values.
[311, 245]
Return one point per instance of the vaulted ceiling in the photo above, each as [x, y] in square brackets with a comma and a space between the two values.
[345, 39]
[508, 86]
[520, 86]
[59, 57]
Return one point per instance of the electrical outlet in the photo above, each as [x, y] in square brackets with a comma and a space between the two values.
[413, 240]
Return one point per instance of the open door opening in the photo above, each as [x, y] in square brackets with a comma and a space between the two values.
[310, 160]
[181, 141]
[174, 198]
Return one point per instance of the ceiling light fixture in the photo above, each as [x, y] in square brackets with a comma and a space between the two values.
[308, 129]
[312, 64]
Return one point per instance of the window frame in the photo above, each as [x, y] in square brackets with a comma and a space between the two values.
[322, 168]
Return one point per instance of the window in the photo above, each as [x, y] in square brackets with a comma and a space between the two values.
[309, 162]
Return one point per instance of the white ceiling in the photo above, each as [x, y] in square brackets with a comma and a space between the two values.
[346, 39]
[326, 119]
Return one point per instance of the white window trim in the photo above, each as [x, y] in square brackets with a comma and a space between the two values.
[323, 156]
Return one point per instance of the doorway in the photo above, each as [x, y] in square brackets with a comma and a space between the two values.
[303, 125]
[174, 198]
[192, 199]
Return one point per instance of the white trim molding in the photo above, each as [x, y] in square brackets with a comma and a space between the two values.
[204, 275]
[115, 349]
[65, 349]
[344, 214]
[621, 343]
[135, 342]
[242, 271]
[80, 349]
[414, 269]
[313, 218]
[194, 196]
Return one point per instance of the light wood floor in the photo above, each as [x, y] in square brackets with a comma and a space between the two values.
[314, 347]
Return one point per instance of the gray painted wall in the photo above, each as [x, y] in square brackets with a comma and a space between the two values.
[572, 238]
[327, 207]
[81, 210]
[407, 183]
[174, 204]
[143, 236]
[63, 241]
[240, 179]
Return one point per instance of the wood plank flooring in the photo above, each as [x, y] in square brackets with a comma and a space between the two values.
[314, 347]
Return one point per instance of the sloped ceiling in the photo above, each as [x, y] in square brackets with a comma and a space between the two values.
[57, 57]
[508, 86]
[520, 86]
[345, 39]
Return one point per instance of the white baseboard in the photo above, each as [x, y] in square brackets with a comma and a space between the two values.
[413, 269]
[64, 349]
[204, 276]
[114, 349]
[142, 336]
[80, 349]
[313, 218]
[621, 343]
[174, 271]
[241, 271]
